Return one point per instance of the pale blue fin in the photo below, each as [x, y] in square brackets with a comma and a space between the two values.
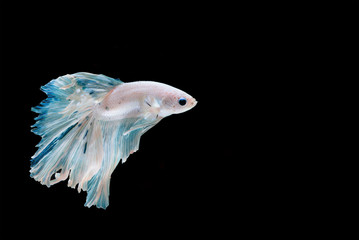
[69, 100]
[117, 146]
[96, 85]
[76, 145]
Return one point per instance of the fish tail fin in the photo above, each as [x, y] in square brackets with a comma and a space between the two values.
[76, 145]
[72, 142]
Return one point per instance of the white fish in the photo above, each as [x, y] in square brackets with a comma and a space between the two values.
[90, 122]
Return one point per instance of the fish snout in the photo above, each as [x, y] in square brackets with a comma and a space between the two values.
[193, 102]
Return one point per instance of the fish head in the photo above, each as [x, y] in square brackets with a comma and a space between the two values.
[175, 102]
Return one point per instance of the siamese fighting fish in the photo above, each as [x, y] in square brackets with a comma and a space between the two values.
[89, 123]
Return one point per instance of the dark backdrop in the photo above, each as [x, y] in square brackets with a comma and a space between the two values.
[174, 180]
[247, 159]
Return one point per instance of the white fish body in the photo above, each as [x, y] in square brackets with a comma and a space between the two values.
[90, 122]
[142, 99]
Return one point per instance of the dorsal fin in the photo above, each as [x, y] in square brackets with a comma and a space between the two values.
[95, 84]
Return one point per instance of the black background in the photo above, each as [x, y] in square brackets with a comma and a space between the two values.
[247, 159]
[173, 181]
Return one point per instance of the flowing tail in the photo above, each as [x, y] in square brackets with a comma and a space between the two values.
[74, 144]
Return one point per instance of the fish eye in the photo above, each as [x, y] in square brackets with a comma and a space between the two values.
[182, 101]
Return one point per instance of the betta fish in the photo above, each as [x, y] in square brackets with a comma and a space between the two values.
[90, 122]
